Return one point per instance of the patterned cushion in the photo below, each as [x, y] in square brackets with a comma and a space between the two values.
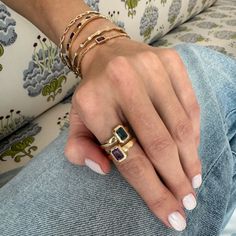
[214, 28]
[32, 72]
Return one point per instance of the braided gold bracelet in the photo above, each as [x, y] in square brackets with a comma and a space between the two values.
[90, 38]
[71, 23]
[98, 40]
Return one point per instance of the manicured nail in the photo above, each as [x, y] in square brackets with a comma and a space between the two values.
[94, 166]
[189, 201]
[177, 221]
[197, 181]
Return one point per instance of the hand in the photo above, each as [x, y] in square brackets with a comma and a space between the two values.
[131, 83]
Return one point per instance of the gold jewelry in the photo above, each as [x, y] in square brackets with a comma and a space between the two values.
[71, 23]
[120, 135]
[110, 143]
[90, 38]
[120, 153]
[79, 28]
[98, 40]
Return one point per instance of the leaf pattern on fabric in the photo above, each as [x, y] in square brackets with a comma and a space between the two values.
[7, 30]
[12, 122]
[131, 5]
[174, 11]
[148, 20]
[46, 72]
[20, 144]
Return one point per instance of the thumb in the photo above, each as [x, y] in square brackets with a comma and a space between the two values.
[81, 147]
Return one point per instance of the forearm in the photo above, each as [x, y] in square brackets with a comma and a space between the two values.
[52, 16]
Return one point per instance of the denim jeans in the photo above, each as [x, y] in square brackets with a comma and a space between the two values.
[50, 196]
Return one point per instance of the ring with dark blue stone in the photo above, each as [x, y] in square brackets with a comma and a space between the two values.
[121, 134]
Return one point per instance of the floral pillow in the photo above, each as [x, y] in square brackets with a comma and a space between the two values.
[32, 76]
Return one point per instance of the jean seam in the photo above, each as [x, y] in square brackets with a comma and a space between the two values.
[229, 113]
[212, 166]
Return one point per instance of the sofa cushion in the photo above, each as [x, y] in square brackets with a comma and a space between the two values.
[214, 28]
[32, 76]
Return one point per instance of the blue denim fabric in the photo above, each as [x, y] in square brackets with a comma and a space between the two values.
[50, 196]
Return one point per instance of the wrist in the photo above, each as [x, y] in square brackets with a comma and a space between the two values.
[100, 55]
[57, 14]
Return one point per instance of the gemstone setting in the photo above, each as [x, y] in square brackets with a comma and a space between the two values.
[100, 39]
[121, 134]
[118, 154]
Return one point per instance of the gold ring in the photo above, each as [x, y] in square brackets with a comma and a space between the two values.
[119, 153]
[120, 135]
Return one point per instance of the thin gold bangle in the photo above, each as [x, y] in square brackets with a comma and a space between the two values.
[98, 40]
[90, 38]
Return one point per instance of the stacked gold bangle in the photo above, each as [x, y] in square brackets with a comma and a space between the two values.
[97, 38]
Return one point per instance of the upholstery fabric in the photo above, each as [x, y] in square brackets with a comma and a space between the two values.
[214, 28]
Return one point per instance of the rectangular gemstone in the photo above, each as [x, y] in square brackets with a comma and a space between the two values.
[117, 153]
[122, 133]
[100, 39]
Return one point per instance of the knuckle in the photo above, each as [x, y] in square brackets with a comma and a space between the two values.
[148, 57]
[134, 168]
[195, 108]
[196, 166]
[183, 130]
[70, 154]
[87, 103]
[160, 144]
[116, 68]
[80, 96]
[182, 184]
[159, 202]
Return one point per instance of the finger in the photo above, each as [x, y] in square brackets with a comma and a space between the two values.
[176, 120]
[81, 147]
[153, 136]
[137, 169]
[183, 87]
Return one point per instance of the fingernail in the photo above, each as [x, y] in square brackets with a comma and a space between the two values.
[94, 166]
[177, 221]
[197, 181]
[189, 202]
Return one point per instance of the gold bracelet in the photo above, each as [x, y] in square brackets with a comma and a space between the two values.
[90, 38]
[98, 40]
[71, 23]
[78, 29]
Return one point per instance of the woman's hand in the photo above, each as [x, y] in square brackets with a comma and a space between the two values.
[148, 89]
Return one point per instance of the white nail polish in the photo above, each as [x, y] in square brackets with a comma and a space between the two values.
[189, 201]
[177, 221]
[94, 166]
[197, 181]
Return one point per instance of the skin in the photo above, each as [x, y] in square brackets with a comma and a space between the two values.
[131, 83]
